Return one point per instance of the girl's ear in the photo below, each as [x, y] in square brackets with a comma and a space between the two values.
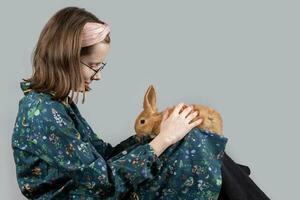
[150, 100]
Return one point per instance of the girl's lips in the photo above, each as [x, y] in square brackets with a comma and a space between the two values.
[87, 85]
[87, 88]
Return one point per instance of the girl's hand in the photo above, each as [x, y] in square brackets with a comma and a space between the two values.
[175, 126]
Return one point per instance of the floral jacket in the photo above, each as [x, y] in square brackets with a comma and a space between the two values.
[59, 156]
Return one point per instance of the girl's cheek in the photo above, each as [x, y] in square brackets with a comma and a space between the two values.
[86, 75]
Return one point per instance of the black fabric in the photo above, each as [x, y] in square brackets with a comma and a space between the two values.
[236, 183]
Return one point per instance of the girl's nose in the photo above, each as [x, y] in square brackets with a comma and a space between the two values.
[97, 76]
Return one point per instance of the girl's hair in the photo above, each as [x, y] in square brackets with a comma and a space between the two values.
[56, 57]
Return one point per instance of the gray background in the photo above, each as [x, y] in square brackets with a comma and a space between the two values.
[242, 58]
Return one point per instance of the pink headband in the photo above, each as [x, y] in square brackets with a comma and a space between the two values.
[93, 33]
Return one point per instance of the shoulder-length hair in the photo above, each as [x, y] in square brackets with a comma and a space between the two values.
[56, 56]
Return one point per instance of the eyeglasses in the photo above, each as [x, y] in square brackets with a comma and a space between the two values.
[96, 71]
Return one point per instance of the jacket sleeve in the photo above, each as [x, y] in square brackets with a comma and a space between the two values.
[103, 148]
[58, 142]
[107, 150]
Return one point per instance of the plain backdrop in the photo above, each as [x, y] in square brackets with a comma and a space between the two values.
[239, 57]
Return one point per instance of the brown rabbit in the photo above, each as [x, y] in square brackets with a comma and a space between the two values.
[148, 121]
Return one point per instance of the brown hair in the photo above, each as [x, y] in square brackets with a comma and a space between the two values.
[56, 57]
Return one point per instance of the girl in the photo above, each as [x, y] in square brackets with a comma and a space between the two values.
[59, 156]
[56, 152]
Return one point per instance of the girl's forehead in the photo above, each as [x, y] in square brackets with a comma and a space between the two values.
[97, 54]
[99, 51]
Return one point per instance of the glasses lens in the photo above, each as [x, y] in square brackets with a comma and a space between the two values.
[103, 64]
[96, 71]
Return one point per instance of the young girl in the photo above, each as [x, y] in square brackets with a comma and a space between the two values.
[59, 156]
[56, 152]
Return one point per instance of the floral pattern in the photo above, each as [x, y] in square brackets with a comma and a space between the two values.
[189, 169]
[59, 156]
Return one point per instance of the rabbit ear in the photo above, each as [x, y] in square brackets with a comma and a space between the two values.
[150, 100]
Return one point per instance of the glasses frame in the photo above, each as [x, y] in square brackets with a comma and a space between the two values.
[95, 70]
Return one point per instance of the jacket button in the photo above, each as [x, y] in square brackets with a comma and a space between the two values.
[135, 196]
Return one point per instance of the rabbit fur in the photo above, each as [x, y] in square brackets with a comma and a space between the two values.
[148, 121]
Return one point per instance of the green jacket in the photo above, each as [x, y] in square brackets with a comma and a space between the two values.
[59, 156]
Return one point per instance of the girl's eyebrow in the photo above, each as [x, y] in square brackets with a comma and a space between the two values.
[97, 63]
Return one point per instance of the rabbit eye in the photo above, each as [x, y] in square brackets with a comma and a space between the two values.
[142, 121]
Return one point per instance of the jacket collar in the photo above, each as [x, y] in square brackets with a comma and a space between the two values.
[25, 87]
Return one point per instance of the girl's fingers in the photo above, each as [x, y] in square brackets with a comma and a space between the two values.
[192, 116]
[186, 112]
[196, 123]
[177, 108]
[165, 114]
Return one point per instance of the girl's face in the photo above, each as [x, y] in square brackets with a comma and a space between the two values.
[95, 61]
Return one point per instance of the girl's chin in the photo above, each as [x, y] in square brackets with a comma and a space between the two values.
[87, 88]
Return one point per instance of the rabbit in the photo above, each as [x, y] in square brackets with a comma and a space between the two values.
[148, 121]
